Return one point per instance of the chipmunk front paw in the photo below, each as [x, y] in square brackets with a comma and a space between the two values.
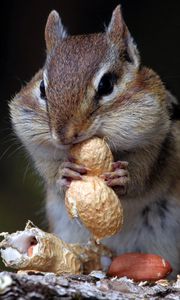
[70, 171]
[119, 177]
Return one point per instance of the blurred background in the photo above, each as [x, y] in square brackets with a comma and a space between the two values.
[155, 26]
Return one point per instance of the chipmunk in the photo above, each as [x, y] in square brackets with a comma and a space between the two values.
[94, 85]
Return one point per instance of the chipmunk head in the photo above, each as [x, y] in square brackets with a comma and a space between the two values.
[93, 85]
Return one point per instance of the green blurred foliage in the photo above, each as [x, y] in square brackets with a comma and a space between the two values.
[20, 190]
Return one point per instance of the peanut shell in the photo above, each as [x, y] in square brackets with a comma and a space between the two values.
[34, 249]
[93, 154]
[50, 254]
[97, 206]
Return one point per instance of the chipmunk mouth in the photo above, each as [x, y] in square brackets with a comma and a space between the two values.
[64, 143]
[82, 138]
[69, 136]
[57, 143]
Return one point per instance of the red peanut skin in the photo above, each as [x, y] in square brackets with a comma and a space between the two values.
[30, 251]
[140, 267]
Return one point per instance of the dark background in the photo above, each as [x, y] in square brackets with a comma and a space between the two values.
[155, 26]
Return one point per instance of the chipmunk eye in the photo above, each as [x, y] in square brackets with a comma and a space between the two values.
[42, 90]
[106, 84]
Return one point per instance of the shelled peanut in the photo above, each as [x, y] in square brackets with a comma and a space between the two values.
[140, 267]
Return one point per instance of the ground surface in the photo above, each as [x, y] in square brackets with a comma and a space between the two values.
[48, 286]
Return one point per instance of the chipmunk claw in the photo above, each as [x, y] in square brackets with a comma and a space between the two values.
[119, 177]
[70, 171]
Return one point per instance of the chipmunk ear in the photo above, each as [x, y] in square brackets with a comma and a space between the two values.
[54, 30]
[119, 34]
[116, 25]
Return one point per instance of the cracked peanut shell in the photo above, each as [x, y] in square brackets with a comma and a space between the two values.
[37, 250]
[34, 249]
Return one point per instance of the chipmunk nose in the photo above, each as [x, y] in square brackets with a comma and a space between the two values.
[64, 138]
